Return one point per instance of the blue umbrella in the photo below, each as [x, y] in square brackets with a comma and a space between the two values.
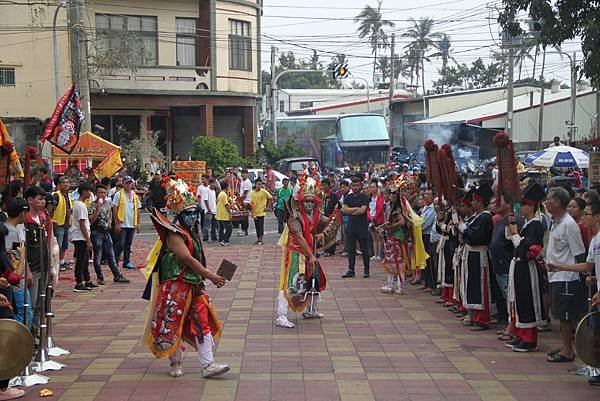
[560, 156]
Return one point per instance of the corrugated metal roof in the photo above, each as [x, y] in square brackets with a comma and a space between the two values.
[497, 109]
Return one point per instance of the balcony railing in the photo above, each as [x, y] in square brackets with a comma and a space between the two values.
[157, 78]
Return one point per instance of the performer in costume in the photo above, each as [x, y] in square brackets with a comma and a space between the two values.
[306, 229]
[460, 220]
[179, 304]
[477, 235]
[395, 234]
[446, 251]
[526, 278]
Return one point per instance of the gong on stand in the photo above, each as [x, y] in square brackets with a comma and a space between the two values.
[587, 345]
[16, 351]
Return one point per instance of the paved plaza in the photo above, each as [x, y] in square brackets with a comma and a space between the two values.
[370, 346]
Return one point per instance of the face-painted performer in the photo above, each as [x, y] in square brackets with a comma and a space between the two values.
[301, 273]
[180, 308]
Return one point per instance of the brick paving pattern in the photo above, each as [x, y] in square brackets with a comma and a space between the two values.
[370, 346]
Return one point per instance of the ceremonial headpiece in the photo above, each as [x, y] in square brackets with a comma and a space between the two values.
[533, 194]
[309, 188]
[180, 196]
[483, 193]
[404, 184]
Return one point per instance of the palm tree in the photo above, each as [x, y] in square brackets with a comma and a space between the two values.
[371, 27]
[422, 40]
[444, 53]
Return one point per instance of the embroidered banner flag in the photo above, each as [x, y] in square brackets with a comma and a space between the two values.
[65, 124]
[109, 166]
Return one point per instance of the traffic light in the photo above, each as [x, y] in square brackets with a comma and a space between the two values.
[341, 71]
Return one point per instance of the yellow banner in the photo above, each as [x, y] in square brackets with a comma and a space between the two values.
[109, 166]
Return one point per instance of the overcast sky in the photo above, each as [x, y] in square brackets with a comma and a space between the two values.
[328, 27]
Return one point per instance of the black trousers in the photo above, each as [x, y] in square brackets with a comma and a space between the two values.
[225, 228]
[427, 272]
[245, 224]
[4, 384]
[259, 224]
[82, 256]
[362, 237]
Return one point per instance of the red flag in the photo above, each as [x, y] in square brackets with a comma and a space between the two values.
[65, 124]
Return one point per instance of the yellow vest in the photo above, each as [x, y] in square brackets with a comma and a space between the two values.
[59, 217]
[121, 207]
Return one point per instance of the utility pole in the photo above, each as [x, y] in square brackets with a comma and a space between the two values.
[273, 95]
[541, 115]
[392, 85]
[573, 127]
[510, 88]
[597, 113]
[55, 53]
[79, 69]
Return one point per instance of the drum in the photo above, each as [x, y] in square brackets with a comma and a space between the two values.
[16, 348]
[587, 339]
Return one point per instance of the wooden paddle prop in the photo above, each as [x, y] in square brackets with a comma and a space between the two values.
[508, 178]
[448, 170]
[434, 177]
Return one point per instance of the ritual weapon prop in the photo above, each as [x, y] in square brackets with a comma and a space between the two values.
[27, 377]
[42, 360]
[313, 292]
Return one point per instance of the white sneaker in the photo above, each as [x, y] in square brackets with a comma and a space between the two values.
[214, 369]
[176, 370]
[387, 289]
[399, 291]
[283, 321]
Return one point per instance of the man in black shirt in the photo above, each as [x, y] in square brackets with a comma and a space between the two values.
[355, 207]
[157, 192]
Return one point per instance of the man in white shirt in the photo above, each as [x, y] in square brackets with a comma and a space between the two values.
[203, 195]
[80, 236]
[210, 222]
[591, 219]
[245, 192]
[567, 292]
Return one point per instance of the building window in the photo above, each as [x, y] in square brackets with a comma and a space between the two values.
[240, 45]
[281, 106]
[133, 35]
[7, 76]
[306, 105]
[186, 41]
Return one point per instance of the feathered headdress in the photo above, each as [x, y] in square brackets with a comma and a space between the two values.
[309, 188]
[508, 178]
[405, 185]
[180, 196]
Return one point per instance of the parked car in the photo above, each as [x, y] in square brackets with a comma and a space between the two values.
[255, 173]
[286, 165]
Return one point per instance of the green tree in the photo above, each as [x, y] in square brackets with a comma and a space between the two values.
[560, 21]
[268, 153]
[422, 40]
[384, 66]
[478, 75]
[322, 79]
[140, 149]
[444, 52]
[219, 153]
[372, 27]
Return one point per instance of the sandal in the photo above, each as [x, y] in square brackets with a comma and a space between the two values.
[559, 358]
[478, 327]
[505, 337]
[440, 301]
[466, 322]
[553, 351]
